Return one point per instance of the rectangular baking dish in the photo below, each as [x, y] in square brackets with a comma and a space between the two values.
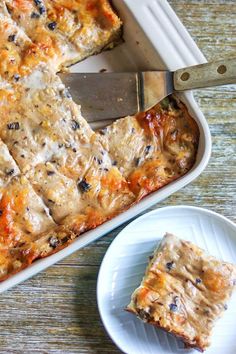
[154, 38]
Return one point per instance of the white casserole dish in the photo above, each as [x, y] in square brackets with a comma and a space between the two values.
[154, 39]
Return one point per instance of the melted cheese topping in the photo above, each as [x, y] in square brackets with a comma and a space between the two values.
[58, 178]
[184, 291]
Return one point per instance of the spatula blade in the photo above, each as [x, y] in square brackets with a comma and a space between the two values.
[107, 96]
[104, 95]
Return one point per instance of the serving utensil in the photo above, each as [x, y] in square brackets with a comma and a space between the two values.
[106, 96]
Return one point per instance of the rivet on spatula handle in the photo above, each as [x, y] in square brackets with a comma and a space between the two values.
[217, 73]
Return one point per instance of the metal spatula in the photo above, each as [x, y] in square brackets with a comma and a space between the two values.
[114, 95]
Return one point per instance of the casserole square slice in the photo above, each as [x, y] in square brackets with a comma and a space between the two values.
[153, 148]
[184, 291]
[67, 31]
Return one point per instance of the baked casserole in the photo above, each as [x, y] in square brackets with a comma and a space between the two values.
[58, 177]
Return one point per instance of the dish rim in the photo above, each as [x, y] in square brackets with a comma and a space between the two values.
[164, 192]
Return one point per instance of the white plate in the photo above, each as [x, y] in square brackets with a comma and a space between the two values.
[154, 39]
[124, 264]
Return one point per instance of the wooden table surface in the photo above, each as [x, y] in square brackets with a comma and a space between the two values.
[56, 311]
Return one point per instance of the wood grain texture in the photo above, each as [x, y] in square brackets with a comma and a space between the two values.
[56, 311]
[206, 75]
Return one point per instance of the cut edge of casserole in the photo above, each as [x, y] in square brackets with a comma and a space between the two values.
[184, 291]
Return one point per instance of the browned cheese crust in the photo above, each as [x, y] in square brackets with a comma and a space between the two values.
[65, 31]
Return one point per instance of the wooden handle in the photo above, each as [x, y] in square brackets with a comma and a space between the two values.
[206, 75]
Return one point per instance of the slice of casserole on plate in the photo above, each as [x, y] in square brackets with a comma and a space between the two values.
[184, 291]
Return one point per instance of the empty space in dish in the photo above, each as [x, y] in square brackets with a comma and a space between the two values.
[138, 52]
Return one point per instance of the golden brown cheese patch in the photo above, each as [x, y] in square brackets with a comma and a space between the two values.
[19, 55]
[21, 209]
[153, 148]
[66, 31]
[184, 291]
[23, 217]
